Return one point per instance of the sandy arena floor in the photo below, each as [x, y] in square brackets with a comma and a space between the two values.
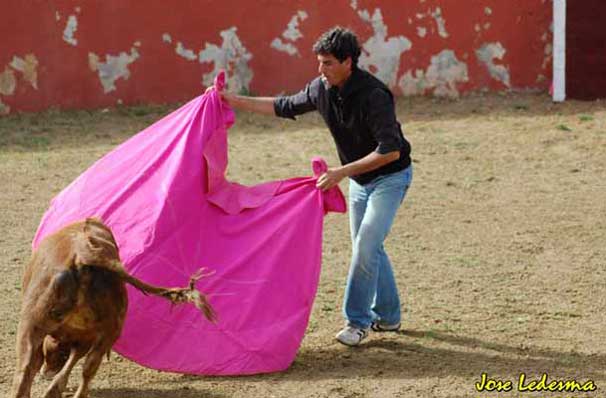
[500, 247]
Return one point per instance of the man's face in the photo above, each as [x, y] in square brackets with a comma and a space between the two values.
[333, 71]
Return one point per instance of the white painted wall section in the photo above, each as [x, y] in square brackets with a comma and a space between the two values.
[440, 22]
[232, 57]
[487, 55]
[441, 76]
[28, 66]
[559, 50]
[381, 54]
[290, 35]
[115, 67]
[70, 29]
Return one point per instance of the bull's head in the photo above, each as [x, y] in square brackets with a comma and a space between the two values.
[55, 356]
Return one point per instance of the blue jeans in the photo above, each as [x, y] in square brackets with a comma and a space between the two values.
[371, 293]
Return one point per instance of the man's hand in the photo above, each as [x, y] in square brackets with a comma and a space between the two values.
[224, 95]
[331, 178]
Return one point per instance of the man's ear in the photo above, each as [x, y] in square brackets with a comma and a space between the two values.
[347, 62]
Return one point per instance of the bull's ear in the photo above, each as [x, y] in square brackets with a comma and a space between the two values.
[93, 242]
[84, 251]
[93, 221]
[102, 247]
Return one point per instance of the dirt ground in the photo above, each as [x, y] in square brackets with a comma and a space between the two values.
[499, 249]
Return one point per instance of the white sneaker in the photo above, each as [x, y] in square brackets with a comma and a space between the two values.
[351, 335]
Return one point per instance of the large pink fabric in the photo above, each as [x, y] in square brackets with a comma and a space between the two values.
[164, 194]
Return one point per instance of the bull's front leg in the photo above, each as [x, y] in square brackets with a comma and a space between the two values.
[89, 370]
[59, 382]
[29, 359]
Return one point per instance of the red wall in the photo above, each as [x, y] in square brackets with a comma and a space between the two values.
[585, 49]
[58, 74]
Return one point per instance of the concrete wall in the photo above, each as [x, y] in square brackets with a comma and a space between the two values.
[87, 54]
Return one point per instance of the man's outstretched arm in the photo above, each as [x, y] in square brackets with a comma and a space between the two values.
[264, 105]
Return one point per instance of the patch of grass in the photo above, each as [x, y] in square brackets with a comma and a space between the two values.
[563, 127]
[585, 118]
[464, 261]
[25, 140]
[141, 110]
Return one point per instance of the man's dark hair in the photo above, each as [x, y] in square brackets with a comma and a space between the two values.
[341, 43]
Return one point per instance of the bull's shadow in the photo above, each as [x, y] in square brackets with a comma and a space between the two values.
[183, 392]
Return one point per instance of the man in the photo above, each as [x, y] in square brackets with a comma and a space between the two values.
[359, 112]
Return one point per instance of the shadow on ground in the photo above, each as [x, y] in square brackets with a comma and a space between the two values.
[185, 392]
[453, 356]
[414, 355]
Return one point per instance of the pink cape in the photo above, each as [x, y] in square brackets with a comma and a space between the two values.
[165, 197]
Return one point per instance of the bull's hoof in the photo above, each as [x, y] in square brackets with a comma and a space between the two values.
[47, 374]
[53, 392]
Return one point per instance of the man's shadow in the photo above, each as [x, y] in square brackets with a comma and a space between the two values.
[419, 357]
[411, 355]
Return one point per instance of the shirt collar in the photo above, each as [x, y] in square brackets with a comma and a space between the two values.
[350, 83]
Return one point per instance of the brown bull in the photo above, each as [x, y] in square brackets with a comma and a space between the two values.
[74, 305]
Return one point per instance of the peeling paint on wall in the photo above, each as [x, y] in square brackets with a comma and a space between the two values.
[288, 48]
[398, 41]
[380, 54]
[442, 75]
[4, 109]
[413, 85]
[548, 50]
[291, 34]
[8, 82]
[185, 53]
[28, 67]
[440, 22]
[445, 72]
[114, 67]
[231, 56]
[548, 55]
[70, 29]
[487, 54]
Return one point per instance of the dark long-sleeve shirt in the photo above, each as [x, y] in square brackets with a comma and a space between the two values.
[360, 116]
